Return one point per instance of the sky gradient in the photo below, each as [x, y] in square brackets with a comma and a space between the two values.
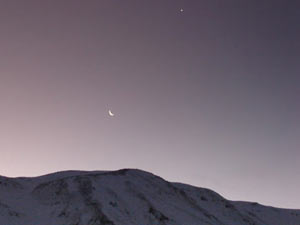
[208, 96]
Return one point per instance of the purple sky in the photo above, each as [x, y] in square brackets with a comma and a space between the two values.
[208, 96]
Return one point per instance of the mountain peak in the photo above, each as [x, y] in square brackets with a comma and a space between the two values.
[124, 197]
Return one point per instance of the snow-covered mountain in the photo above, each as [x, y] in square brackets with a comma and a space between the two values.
[125, 197]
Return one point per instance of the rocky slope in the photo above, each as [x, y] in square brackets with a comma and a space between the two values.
[125, 197]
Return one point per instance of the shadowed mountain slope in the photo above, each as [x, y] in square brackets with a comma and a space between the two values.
[125, 197]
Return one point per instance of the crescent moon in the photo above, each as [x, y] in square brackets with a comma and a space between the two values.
[110, 113]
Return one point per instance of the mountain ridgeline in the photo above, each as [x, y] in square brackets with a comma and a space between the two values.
[125, 197]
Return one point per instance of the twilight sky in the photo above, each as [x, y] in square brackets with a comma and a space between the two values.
[208, 96]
